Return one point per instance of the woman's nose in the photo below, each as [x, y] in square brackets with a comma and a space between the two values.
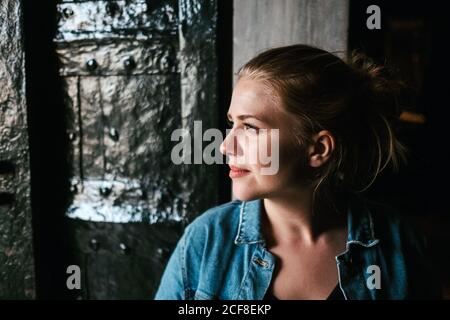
[228, 145]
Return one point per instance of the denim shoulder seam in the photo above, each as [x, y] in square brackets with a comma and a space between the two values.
[183, 267]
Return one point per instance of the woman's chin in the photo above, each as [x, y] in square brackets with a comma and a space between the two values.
[244, 193]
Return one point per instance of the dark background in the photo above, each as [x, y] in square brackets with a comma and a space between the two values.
[410, 40]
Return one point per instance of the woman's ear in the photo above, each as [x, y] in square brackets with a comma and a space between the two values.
[321, 149]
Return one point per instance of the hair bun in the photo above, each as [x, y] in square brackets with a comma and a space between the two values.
[380, 87]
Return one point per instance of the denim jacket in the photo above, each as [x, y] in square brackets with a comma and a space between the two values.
[222, 255]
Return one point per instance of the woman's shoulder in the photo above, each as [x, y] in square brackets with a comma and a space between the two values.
[392, 224]
[408, 244]
[223, 217]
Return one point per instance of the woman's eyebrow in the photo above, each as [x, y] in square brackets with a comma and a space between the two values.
[246, 116]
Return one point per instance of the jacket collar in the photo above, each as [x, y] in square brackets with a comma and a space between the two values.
[249, 229]
[359, 222]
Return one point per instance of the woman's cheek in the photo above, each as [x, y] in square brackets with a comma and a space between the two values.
[252, 152]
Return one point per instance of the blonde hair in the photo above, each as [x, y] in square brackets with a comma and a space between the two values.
[356, 100]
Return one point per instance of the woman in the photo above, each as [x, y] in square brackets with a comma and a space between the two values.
[304, 232]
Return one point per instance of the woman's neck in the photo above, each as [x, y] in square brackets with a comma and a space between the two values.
[290, 218]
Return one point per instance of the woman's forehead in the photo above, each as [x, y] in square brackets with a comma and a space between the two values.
[248, 85]
[252, 96]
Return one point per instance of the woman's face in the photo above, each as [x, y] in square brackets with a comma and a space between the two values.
[262, 164]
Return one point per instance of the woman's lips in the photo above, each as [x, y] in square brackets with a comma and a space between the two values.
[236, 172]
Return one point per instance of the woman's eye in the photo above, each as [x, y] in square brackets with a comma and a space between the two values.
[230, 123]
[250, 128]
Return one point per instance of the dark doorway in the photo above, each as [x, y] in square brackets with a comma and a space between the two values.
[411, 40]
[105, 249]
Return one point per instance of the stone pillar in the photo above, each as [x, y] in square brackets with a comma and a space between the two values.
[262, 24]
[16, 241]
